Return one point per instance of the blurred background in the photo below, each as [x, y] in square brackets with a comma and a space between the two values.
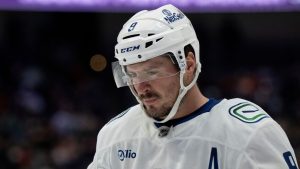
[56, 84]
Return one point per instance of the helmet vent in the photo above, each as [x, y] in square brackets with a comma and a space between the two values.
[150, 34]
[131, 36]
[148, 44]
[158, 39]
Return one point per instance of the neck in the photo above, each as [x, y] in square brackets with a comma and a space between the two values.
[191, 102]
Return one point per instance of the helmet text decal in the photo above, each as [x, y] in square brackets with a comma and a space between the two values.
[172, 17]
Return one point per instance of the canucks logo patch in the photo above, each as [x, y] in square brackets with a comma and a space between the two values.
[247, 112]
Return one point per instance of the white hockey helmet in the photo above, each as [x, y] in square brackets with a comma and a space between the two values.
[149, 34]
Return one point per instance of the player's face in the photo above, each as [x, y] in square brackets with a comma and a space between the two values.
[157, 94]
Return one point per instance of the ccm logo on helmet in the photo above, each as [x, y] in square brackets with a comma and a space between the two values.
[126, 154]
[129, 49]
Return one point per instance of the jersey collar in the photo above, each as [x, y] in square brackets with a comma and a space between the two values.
[203, 109]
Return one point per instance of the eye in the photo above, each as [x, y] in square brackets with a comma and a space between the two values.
[152, 72]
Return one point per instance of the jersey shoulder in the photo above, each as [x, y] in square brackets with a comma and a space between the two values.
[245, 111]
[234, 121]
[238, 114]
[123, 126]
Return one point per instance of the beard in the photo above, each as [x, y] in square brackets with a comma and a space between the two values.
[156, 111]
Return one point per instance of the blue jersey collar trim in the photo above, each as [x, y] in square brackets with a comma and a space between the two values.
[203, 109]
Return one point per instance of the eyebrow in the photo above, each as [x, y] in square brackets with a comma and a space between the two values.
[149, 68]
[153, 65]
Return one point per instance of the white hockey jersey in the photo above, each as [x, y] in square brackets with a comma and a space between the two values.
[226, 134]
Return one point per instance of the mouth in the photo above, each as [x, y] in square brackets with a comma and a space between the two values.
[149, 98]
[149, 101]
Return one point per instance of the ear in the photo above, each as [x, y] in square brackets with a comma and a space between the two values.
[190, 63]
[190, 68]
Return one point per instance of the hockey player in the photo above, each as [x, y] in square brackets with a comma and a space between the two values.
[175, 126]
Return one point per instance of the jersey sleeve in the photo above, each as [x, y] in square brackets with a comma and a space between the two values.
[91, 166]
[101, 159]
[107, 136]
[267, 148]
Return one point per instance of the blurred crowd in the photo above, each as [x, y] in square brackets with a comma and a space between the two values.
[46, 123]
[52, 104]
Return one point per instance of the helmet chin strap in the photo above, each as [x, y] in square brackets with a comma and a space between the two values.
[182, 92]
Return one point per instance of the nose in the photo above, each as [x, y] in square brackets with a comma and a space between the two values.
[142, 87]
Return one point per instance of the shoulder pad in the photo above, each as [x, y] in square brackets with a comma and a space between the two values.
[119, 115]
[246, 111]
